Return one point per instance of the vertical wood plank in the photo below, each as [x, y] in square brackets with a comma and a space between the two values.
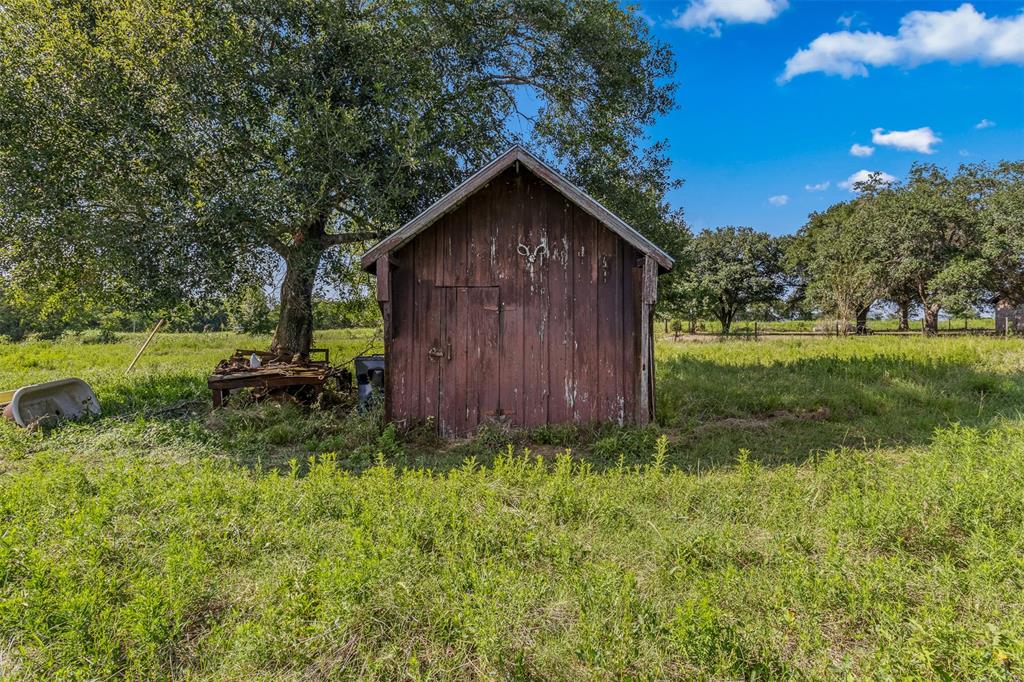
[432, 310]
[510, 281]
[456, 249]
[630, 332]
[385, 312]
[479, 232]
[417, 352]
[447, 410]
[440, 229]
[402, 288]
[428, 314]
[484, 374]
[463, 359]
[383, 277]
[645, 409]
[536, 305]
[560, 333]
[383, 287]
[609, 330]
[585, 365]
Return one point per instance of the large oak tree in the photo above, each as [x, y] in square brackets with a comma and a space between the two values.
[732, 268]
[840, 254]
[155, 151]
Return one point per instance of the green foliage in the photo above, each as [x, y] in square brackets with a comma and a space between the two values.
[932, 224]
[362, 311]
[249, 311]
[840, 255]
[941, 241]
[732, 268]
[158, 152]
[1002, 226]
[12, 327]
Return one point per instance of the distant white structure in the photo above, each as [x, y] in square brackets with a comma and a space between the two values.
[1008, 312]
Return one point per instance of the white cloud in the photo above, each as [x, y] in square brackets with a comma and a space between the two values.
[959, 35]
[779, 200]
[985, 123]
[711, 15]
[647, 19]
[862, 150]
[819, 187]
[864, 176]
[918, 140]
[964, 152]
[845, 20]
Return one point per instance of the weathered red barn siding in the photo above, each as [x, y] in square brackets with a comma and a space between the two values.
[479, 332]
[517, 298]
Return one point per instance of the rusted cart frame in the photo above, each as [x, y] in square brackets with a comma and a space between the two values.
[223, 385]
[274, 376]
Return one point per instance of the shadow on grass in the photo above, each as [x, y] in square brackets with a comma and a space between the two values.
[783, 412]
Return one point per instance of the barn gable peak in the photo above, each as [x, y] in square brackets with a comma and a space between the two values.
[517, 153]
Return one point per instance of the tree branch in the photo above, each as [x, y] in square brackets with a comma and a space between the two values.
[352, 237]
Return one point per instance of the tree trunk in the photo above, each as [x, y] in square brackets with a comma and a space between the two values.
[904, 316]
[725, 316]
[931, 319]
[294, 334]
[862, 320]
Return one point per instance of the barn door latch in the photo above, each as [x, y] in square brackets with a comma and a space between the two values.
[435, 352]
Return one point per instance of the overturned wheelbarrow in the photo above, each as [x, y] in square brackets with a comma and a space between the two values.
[60, 399]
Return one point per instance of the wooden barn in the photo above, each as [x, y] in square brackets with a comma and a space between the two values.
[517, 298]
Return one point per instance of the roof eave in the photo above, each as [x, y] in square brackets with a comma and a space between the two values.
[455, 198]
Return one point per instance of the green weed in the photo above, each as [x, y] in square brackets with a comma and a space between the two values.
[820, 509]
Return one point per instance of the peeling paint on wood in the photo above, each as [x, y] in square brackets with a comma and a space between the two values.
[482, 331]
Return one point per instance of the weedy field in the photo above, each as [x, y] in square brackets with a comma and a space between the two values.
[805, 508]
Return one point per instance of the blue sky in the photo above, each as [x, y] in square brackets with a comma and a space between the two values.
[747, 129]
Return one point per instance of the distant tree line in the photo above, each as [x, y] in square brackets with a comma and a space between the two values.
[937, 242]
[248, 310]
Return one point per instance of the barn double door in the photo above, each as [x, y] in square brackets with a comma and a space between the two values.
[466, 357]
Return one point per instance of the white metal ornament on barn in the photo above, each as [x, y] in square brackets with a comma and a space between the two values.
[531, 256]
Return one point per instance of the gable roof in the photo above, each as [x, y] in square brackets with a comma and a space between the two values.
[451, 201]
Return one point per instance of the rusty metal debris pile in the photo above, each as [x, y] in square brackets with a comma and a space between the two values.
[272, 375]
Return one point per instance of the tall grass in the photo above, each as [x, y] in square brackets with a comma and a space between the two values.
[876, 564]
[848, 508]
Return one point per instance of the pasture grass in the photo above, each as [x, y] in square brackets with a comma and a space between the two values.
[805, 508]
